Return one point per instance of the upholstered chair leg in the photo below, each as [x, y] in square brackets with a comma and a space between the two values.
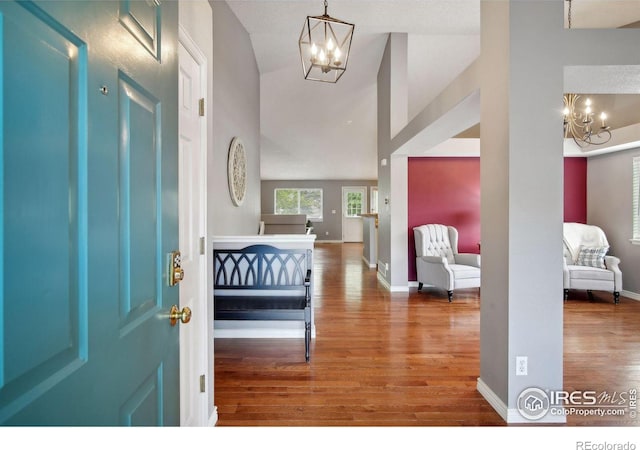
[419, 286]
[450, 294]
[566, 295]
[616, 297]
[590, 294]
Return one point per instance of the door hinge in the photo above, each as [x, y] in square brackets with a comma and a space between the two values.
[201, 107]
[202, 245]
[202, 384]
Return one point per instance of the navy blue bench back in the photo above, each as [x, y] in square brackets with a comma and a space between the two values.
[260, 267]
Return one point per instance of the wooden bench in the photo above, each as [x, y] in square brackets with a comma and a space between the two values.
[262, 282]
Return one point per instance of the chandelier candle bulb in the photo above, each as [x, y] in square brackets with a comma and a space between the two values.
[336, 57]
[603, 118]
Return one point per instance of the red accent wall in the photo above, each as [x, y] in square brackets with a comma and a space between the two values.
[447, 191]
[575, 190]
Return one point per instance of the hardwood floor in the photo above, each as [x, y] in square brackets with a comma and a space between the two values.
[382, 359]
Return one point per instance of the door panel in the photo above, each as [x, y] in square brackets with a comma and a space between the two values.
[139, 198]
[42, 272]
[354, 203]
[88, 215]
[143, 20]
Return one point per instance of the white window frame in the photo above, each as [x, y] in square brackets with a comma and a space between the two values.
[312, 218]
[636, 201]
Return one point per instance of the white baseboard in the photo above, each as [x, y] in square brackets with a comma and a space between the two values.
[368, 263]
[512, 415]
[384, 282]
[389, 287]
[631, 295]
[491, 397]
[322, 241]
[213, 419]
[399, 288]
[246, 329]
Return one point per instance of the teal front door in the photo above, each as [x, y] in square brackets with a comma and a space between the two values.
[89, 214]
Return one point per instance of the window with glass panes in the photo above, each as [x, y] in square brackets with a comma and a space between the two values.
[354, 204]
[298, 201]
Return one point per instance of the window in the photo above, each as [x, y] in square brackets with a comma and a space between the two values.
[636, 200]
[298, 201]
[354, 204]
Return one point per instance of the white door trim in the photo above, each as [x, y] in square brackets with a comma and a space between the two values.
[202, 410]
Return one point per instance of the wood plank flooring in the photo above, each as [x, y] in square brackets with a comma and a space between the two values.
[382, 359]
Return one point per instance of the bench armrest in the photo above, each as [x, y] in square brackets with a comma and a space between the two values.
[307, 279]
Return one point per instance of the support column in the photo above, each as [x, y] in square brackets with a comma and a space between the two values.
[522, 194]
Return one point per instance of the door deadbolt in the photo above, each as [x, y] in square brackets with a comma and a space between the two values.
[175, 273]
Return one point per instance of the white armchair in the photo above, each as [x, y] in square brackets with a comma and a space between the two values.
[438, 262]
[586, 265]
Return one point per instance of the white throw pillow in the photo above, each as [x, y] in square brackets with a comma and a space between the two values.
[592, 256]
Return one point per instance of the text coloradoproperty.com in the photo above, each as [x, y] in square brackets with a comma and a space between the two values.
[601, 412]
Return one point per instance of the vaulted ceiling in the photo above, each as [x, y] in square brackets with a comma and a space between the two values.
[312, 130]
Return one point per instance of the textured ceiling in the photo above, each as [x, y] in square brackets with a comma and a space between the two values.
[312, 130]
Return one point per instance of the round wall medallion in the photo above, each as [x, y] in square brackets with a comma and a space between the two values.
[237, 171]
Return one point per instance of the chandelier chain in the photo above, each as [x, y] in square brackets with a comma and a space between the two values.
[569, 13]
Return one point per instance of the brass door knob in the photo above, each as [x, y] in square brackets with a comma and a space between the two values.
[183, 316]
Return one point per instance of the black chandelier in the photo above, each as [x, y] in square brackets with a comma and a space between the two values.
[324, 44]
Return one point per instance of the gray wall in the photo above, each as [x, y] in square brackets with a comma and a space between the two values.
[330, 229]
[521, 215]
[392, 177]
[236, 112]
[609, 206]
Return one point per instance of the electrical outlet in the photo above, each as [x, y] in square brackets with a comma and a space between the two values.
[521, 365]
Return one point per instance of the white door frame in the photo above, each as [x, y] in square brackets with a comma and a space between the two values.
[200, 410]
[365, 190]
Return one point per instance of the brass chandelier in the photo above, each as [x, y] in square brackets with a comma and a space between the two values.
[579, 124]
[324, 44]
